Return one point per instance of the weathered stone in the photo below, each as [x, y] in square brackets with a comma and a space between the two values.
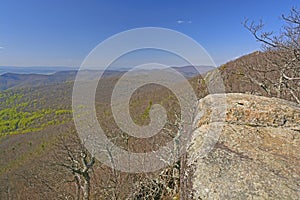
[251, 151]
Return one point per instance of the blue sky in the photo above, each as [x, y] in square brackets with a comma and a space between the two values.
[63, 32]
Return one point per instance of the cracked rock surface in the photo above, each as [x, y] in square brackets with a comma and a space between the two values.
[249, 149]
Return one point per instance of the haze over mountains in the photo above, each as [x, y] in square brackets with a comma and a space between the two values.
[20, 77]
[34, 70]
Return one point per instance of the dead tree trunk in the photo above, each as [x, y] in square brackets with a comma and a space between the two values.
[86, 186]
[79, 163]
[77, 181]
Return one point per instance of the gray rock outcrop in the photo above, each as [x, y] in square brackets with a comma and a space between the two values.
[252, 151]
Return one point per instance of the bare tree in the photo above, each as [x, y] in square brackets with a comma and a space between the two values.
[282, 61]
[73, 157]
[166, 183]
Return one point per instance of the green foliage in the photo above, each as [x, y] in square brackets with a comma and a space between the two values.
[146, 112]
[63, 112]
[223, 67]
[21, 115]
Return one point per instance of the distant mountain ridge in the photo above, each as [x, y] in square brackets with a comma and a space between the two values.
[32, 79]
[34, 70]
[12, 80]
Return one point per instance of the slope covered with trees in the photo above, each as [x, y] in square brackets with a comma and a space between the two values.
[42, 158]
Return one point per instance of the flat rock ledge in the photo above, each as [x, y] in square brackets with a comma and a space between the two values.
[249, 149]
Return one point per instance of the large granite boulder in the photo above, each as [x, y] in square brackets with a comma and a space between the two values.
[252, 151]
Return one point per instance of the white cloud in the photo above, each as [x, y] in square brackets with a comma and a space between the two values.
[2, 48]
[183, 22]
